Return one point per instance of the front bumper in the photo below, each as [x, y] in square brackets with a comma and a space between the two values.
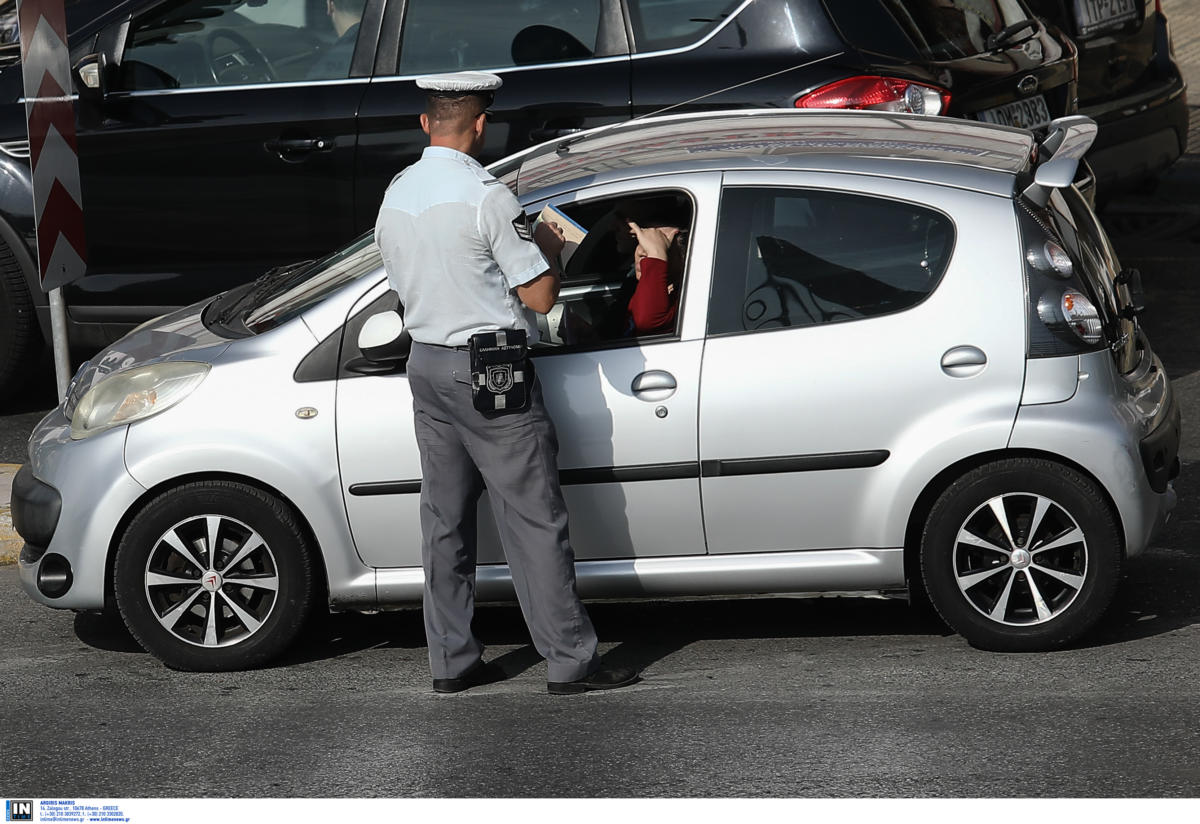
[94, 491]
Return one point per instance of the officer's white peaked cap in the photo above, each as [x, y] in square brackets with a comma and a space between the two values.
[459, 83]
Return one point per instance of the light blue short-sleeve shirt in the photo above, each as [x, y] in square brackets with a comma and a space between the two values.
[455, 245]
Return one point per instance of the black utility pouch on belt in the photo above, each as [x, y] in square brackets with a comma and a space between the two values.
[500, 371]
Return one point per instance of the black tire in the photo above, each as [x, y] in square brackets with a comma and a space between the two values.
[21, 341]
[253, 622]
[991, 596]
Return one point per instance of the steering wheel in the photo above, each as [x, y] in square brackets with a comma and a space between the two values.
[244, 64]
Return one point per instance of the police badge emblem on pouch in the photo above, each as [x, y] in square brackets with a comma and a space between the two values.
[500, 371]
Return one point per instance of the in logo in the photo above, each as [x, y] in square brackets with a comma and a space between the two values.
[500, 378]
[18, 811]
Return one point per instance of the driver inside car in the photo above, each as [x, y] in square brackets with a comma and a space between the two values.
[334, 61]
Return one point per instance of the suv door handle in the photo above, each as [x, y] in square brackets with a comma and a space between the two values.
[298, 146]
[655, 385]
[963, 361]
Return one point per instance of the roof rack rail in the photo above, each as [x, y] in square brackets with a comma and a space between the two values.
[1067, 141]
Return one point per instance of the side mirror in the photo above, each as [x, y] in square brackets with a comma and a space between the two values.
[91, 75]
[383, 339]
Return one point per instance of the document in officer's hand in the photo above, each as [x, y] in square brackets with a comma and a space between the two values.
[573, 233]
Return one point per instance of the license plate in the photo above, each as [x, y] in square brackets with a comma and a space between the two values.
[1092, 16]
[1030, 113]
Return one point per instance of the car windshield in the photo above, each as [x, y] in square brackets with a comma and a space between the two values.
[278, 301]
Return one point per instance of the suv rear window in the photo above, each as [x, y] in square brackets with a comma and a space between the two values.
[924, 29]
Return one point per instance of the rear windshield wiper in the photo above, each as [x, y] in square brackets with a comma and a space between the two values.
[1008, 35]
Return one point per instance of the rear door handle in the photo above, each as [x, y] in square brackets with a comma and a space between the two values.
[298, 146]
[963, 361]
[654, 385]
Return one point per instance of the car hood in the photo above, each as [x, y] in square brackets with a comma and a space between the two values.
[179, 336]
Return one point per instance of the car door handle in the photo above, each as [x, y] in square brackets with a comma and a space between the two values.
[654, 385]
[542, 135]
[963, 361]
[300, 145]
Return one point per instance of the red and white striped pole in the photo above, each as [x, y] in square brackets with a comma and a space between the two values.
[54, 156]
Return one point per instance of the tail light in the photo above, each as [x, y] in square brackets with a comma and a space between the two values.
[1073, 310]
[889, 94]
[1063, 316]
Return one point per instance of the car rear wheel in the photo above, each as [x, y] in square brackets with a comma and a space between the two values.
[1021, 555]
[214, 575]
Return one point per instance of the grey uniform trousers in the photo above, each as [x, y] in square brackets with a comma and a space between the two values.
[516, 455]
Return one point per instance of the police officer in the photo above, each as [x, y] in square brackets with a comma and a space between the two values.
[458, 251]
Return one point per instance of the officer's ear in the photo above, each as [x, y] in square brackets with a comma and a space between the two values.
[424, 122]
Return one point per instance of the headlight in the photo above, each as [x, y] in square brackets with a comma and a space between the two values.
[135, 394]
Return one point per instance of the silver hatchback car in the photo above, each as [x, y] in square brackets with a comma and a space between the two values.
[904, 356]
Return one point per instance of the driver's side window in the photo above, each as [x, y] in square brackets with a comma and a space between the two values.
[201, 43]
[610, 295]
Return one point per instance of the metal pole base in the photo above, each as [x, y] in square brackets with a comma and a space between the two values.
[58, 336]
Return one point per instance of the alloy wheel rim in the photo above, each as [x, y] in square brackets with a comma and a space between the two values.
[211, 581]
[1020, 559]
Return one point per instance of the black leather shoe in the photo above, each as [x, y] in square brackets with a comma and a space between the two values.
[476, 676]
[605, 678]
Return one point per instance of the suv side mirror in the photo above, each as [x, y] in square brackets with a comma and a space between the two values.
[384, 340]
[93, 77]
[87, 77]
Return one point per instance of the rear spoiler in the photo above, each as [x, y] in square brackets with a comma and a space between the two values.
[1067, 141]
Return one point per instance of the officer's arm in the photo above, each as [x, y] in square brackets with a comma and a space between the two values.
[540, 293]
[526, 258]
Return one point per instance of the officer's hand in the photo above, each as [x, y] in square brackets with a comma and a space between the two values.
[549, 239]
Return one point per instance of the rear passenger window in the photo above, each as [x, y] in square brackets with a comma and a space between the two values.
[668, 24]
[790, 257]
[454, 35]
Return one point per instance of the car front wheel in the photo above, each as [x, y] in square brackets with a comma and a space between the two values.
[214, 575]
[1021, 555]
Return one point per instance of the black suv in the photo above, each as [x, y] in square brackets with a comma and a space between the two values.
[219, 138]
[1129, 83]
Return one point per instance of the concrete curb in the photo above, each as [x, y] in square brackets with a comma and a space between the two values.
[10, 542]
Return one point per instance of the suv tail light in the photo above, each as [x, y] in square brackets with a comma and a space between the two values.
[889, 94]
[1063, 316]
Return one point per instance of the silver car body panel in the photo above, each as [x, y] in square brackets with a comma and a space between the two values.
[1099, 428]
[91, 510]
[1050, 380]
[880, 378]
[242, 422]
[833, 571]
[606, 431]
